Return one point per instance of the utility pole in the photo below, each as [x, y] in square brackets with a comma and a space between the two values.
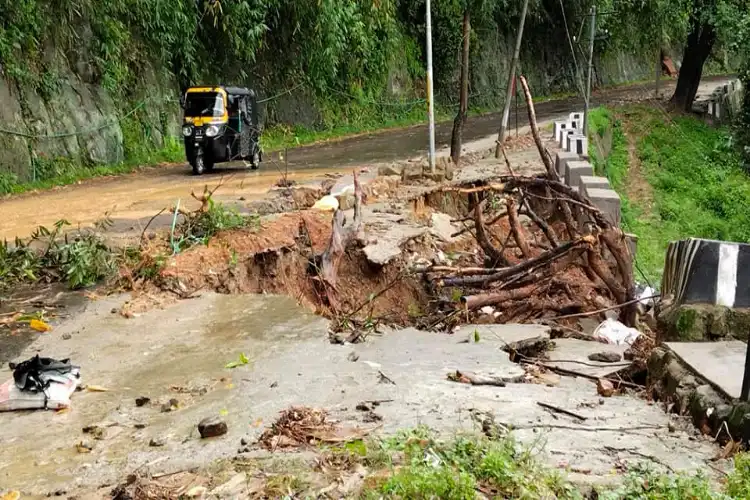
[511, 78]
[587, 100]
[657, 71]
[430, 103]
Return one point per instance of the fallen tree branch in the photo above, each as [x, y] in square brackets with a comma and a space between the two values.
[511, 271]
[546, 229]
[475, 379]
[605, 309]
[557, 409]
[516, 229]
[548, 164]
[340, 238]
[565, 371]
[492, 253]
[489, 299]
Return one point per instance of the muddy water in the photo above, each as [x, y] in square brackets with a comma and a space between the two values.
[134, 197]
[179, 353]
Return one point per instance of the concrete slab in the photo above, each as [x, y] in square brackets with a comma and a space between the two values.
[571, 354]
[292, 363]
[720, 363]
[502, 334]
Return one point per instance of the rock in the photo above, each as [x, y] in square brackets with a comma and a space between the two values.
[170, 405]
[605, 357]
[244, 442]
[142, 401]
[353, 356]
[157, 441]
[605, 388]
[363, 407]
[67, 336]
[212, 427]
[386, 170]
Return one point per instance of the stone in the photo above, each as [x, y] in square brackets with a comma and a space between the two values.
[703, 402]
[353, 357]
[605, 388]
[157, 441]
[142, 401]
[605, 357]
[67, 336]
[170, 405]
[703, 322]
[386, 170]
[212, 427]
[561, 162]
[244, 442]
[575, 170]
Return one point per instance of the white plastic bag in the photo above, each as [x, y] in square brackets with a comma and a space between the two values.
[612, 331]
[57, 395]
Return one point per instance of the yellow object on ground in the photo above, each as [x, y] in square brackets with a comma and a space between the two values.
[327, 204]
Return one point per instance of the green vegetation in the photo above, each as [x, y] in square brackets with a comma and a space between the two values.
[422, 466]
[691, 180]
[80, 258]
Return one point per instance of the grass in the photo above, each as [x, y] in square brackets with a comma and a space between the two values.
[698, 186]
[416, 464]
[64, 171]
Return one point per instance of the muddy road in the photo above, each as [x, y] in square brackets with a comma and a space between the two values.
[132, 199]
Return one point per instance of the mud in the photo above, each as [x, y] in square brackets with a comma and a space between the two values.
[180, 353]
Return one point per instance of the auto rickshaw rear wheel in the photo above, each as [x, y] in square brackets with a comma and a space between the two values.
[255, 162]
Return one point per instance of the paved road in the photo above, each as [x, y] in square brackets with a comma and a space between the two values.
[133, 197]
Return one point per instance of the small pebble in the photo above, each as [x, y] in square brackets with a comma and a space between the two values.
[67, 336]
[157, 441]
[142, 401]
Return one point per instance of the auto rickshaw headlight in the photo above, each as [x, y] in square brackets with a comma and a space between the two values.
[187, 130]
[212, 131]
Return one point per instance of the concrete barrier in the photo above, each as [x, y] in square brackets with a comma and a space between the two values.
[575, 170]
[578, 144]
[725, 102]
[592, 181]
[607, 201]
[561, 162]
[564, 136]
[558, 129]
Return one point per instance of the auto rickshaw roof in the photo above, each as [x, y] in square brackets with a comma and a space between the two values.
[228, 90]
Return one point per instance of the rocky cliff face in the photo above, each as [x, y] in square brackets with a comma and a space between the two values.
[78, 122]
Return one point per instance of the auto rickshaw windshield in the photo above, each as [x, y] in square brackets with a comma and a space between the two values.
[209, 104]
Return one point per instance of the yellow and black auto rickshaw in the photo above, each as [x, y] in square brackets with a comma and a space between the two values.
[220, 125]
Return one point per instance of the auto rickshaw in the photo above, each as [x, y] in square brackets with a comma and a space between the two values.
[220, 125]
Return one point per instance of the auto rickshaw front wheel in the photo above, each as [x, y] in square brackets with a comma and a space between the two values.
[255, 162]
[200, 164]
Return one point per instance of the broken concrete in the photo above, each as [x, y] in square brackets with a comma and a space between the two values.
[291, 362]
[721, 364]
[700, 322]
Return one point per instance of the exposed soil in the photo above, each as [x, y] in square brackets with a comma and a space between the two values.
[637, 188]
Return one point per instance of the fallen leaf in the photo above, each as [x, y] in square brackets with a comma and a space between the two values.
[96, 388]
[83, 448]
[39, 325]
[234, 364]
[258, 422]
[11, 495]
[224, 413]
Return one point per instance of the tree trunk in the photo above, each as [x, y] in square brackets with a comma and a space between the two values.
[699, 44]
[460, 120]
